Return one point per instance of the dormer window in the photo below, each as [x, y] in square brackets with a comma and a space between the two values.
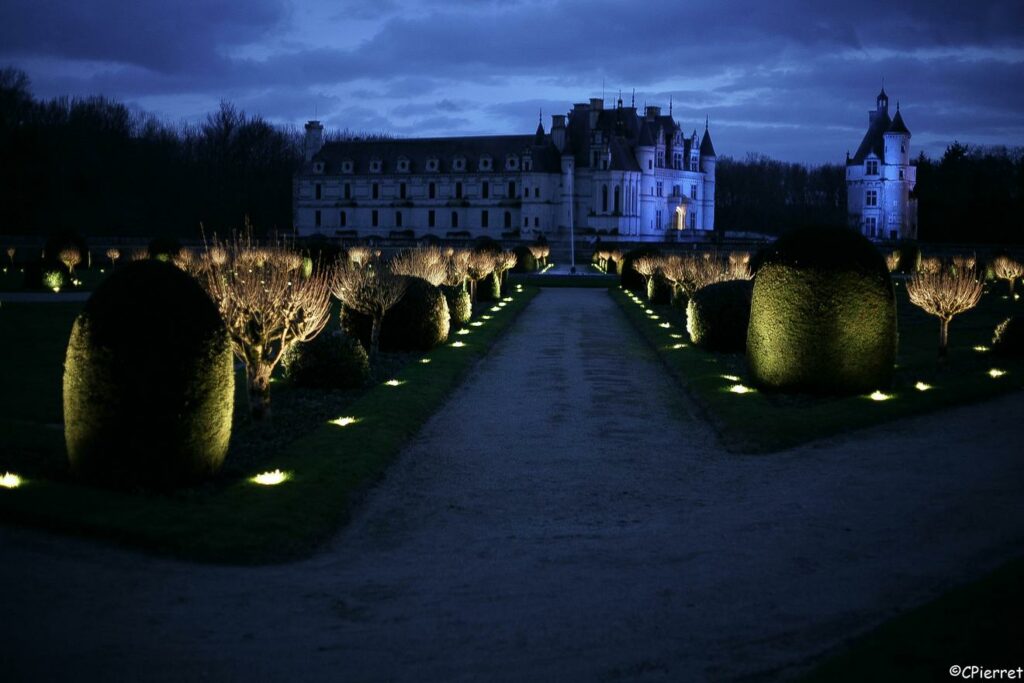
[403, 165]
[318, 167]
[459, 164]
[432, 164]
[346, 166]
[871, 167]
[511, 162]
[376, 165]
[485, 163]
[527, 165]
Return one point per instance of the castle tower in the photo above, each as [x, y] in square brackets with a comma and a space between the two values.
[314, 139]
[707, 167]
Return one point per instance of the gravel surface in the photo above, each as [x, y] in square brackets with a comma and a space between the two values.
[563, 516]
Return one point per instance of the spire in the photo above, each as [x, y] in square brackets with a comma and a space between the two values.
[897, 125]
[670, 105]
[540, 128]
[706, 148]
[632, 100]
[619, 101]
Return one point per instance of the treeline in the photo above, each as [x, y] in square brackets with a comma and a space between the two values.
[94, 167]
[759, 194]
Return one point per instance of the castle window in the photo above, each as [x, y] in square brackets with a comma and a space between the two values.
[375, 190]
[431, 218]
[316, 218]
[870, 226]
[318, 167]
[604, 199]
[527, 165]
[536, 222]
[511, 162]
[660, 189]
[342, 219]
[374, 218]
[693, 191]
[346, 166]
[485, 163]
[432, 164]
[511, 189]
[455, 219]
[657, 220]
[508, 220]
[348, 190]
[871, 198]
[459, 164]
[617, 208]
[526, 222]
[317, 190]
[375, 166]
[401, 190]
[901, 174]
[458, 190]
[484, 219]
[677, 161]
[903, 148]
[871, 167]
[398, 219]
[432, 190]
[485, 190]
[650, 164]
[661, 158]
[536, 192]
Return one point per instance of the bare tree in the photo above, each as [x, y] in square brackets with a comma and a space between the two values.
[480, 266]
[427, 263]
[113, 254]
[962, 262]
[266, 308]
[457, 267]
[139, 254]
[945, 295]
[892, 261]
[931, 264]
[504, 262]
[70, 258]
[371, 291]
[647, 267]
[1007, 269]
[359, 256]
[739, 265]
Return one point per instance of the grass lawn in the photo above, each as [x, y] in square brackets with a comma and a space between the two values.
[588, 277]
[11, 279]
[230, 519]
[973, 625]
[761, 421]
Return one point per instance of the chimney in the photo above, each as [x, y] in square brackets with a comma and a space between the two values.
[596, 107]
[652, 112]
[314, 139]
[558, 131]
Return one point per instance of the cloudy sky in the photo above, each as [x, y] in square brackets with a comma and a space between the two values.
[792, 79]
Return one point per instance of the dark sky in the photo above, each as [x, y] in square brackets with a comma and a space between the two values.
[789, 78]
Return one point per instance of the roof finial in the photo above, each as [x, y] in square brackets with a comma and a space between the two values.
[706, 120]
[632, 100]
[670, 105]
[897, 106]
[540, 116]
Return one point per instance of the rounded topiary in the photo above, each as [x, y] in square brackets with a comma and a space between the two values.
[909, 261]
[628, 277]
[148, 381]
[659, 290]
[1008, 339]
[331, 360]
[823, 314]
[717, 316]
[460, 305]
[418, 322]
[525, 260]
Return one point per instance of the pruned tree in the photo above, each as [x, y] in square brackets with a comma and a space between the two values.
[187, 261]
[945, 294]
[139, 254]
[359, 256]
[70, 258]
[503, 262]
[371, 291]
[1006, 268]
[427, 263]
[892, 261]
[647, 267]
[739, 265]
[931, 265]
[113, 254]
[481, 264]
[266, 308]
[964, 262]
[457, 267]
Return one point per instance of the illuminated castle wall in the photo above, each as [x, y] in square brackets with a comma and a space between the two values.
[603, 169]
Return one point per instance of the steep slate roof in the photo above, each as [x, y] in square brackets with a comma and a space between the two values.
[418, 150]
[873, 141]
[897, 125]
[706, 148]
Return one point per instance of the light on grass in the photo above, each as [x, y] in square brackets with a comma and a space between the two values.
[458, 344]
[343, 421]
[10, 480]
[508, 299]
[665, 325]
[679, 346]
[495, 309]
[731, 378]
[476, 324]
[424, 360]
[676, 335]
[648, 311]
[996, 373]
[502, 305]
[981, 349]
[463, 331]
[272, 478]
[740, 389]
[653, 317]
[879, 396]
[921, 386]
[487, 317]
[395, 382]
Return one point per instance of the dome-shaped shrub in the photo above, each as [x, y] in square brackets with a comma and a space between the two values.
[1008, 339]
[418, 322]
[460, 305]
[823, 314]
[909, 260]
[148, 381]
[525, 261]
[331, 360]
[628, 277]
[659, 290]
[717, 316]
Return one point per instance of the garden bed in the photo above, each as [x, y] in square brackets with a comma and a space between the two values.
[756, 421]
[231, 519]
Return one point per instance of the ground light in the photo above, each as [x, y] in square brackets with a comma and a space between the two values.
[665, 325]
[458, 344]
[487, 317]
[996, 373]
[11, 480]
[272, 478]
[981, 349]
[476, 324]
[676, 336]
[495, 309]
[879, 396]
[343, 421]
[740, 389]
[731, 378]
[394, 382]
[679, 346]
[648, 311]
[424, 360]
[463, 331]
[653, 317]
[921, 386]
[508, 299]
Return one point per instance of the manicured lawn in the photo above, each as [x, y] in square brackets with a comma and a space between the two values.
[973, 625]
[760, 421]
[588, 277]
[11, 279]
[229, 519]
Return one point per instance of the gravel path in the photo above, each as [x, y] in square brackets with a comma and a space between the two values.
[559, 518]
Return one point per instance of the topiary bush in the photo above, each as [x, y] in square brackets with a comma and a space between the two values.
[460, 305]
[717, 316]
[1008, 339]
[659, 290]
[419, 322]
[823, 314]
[148, 381]
[525, 261]
[628, 277]
[909, 261]
[331, 360]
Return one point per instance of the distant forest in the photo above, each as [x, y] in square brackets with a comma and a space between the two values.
[94, 167]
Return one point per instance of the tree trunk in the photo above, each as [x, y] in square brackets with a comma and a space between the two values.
[1012, 279]
[259, 396]
[943, 337]
[374, 338]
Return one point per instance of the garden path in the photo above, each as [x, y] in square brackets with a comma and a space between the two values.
[561, 517]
